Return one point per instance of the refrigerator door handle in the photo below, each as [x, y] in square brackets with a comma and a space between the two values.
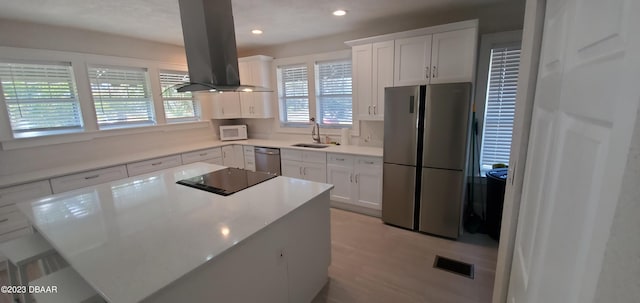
[412, 104]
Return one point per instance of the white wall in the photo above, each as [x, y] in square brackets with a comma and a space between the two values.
[618, 281]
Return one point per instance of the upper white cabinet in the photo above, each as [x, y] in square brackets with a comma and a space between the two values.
[453, 56]
[254, 71]
[412, 64]
[372, 72]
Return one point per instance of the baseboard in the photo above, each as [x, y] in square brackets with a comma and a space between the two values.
[357, 209]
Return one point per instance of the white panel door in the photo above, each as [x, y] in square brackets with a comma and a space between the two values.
[230, 105]
[342, 179]
[382, 75]
[291, 169]
[452, 58]
[585, 107]
[361, 75]
[368, 186]
[412, 61]
[315, 172]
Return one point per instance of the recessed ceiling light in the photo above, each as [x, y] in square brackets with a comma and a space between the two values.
[339, 13]
[256, 32]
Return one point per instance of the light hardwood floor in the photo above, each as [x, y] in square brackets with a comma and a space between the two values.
[373, 262]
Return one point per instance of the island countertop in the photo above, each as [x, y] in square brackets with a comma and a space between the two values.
[132, 237]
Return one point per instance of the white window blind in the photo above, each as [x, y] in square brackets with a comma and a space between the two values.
[500, 106]
[121, 96]
[177, 106]
[40, 97]
[294, 94]
[334, 93]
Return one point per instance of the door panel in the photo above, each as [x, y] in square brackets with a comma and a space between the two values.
[315, 172]
[453, 54]
[368, 185]
[292, 169]
[585, 105]
[341, 177]
[382, 74]
[398, 194]
[412, 61]
[361, 70]
[440, 201]
[401, 125]
[446, 124]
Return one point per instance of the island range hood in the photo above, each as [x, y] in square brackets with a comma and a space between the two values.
[210, 45]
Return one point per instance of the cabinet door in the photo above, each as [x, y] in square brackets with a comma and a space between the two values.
[230, 105]
[412, 61]
[382, 75]
[315, 172]
[361, 80]
[249, 158]
[291, 168]
[342, 179]
[228, 158]
[453, 56]
[368, 185]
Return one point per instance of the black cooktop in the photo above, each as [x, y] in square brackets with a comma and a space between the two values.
[227, 181]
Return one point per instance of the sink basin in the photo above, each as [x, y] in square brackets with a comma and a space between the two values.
[311, 145]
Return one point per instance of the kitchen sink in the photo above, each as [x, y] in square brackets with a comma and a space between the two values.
[311, 145]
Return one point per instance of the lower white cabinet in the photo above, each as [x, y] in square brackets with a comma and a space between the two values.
[88, 178]
[12, 223]
[306, 165]
[233, 156]
[356, 180]
[205, 155]
[147, 166]
[249, 158]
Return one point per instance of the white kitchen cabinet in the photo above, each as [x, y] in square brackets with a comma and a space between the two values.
[453, 56]
[205, 155]
[12, 223]
[306, 165]
[356, 180]
[255, 71]
[147, 166]
[233, 156]
[249, 158]
[226, 105]
[372, 71]
[412, 64]
[88, 178]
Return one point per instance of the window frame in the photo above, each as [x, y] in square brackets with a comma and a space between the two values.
[319, 96]
[487, 43]
[310, 61]
[197, 112]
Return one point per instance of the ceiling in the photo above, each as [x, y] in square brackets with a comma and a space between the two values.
[282, 21]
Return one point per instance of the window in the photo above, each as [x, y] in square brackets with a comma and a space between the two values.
[121, 96]
[40, 98]
[334, 93]
[294, 94]
[177, 106]
[500, 106]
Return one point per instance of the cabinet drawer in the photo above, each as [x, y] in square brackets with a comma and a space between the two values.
[290, 154]
[248, 150]
[217, 161]
[340, 160]
[19, 193]
[88, 178]
[15, 234]
[201, 155]
[250, 165]
[314, 157]
[369, 162]
[143, 167]
[12, 221]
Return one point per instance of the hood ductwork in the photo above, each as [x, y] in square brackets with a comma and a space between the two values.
[210, 45]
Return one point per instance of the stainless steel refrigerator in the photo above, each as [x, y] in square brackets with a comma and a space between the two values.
[426, 131]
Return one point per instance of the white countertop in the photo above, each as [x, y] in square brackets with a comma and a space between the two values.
[84, 166]
[132, 237]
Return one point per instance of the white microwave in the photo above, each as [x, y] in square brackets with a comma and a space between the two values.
[233, 132]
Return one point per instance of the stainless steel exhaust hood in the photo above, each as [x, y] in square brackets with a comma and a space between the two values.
[210, 45]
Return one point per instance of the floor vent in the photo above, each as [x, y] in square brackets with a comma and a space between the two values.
[456, 267]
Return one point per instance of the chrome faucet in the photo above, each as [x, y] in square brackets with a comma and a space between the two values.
[314, 136]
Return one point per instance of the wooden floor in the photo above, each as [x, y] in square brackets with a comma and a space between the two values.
[373, 262]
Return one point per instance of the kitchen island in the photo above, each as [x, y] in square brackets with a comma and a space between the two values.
[148, 239]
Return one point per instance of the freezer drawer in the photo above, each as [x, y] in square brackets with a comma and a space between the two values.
[398, 194]
[440, 202]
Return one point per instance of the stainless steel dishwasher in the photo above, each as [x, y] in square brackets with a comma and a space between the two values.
[268, 160]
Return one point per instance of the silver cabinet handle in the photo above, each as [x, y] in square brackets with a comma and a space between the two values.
[203, 154]
[357, 178]
[368, 162]
[301, 170]
[369, 109]
[351, 178]
[157, 163]
[304, 171]
[435, 72]
[339, 159]
[91, 177]
[223, 110]
[4, 220]
[426, 72]
[375, 109]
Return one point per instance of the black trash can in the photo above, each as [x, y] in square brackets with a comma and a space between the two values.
[496, 182]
